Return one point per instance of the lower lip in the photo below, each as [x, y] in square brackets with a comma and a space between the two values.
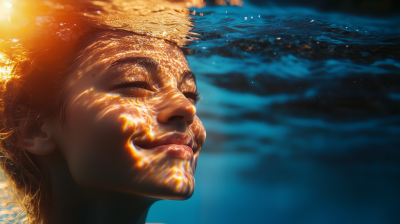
[178, 151]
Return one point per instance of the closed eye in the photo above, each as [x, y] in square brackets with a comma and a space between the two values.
[133, 88]
[194, 97]
[133, 84]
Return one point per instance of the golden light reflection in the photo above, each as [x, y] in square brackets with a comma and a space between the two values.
[154, 145]
[6, 68]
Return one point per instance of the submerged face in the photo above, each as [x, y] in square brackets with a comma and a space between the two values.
[131, 123]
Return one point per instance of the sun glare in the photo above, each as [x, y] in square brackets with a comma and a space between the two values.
[7, 4]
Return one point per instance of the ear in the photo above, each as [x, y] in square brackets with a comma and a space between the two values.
[37, 137]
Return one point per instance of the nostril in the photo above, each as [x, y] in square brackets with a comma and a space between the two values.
[175, 118]
[179, 111]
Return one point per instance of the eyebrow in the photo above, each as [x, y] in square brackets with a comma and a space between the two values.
[148, 63]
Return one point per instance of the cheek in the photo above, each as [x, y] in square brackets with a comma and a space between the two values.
[110, 115]
[97, 136]
[100, 118]
[199, 133]
[137, 119]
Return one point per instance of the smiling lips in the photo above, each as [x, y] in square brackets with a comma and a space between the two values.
[176, 145]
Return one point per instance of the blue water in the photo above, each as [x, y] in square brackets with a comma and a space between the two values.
[302, 112]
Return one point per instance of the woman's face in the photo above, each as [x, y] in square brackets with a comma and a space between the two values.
[131, 123]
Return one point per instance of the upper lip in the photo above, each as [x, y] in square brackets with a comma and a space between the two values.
[175, 138]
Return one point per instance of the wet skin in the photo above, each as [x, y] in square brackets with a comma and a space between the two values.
[131, 124]
[131, 121]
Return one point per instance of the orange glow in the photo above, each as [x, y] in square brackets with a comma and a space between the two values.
[235, 2]
[231, 2]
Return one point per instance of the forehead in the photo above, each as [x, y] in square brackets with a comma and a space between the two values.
[109, 47]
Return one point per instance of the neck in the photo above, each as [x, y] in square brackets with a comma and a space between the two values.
[72, 203]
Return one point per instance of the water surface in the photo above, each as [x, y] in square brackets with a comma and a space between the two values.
[302, 112]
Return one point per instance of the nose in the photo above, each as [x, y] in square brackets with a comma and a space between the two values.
[177, 109]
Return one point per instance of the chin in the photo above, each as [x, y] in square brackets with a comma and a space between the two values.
[170, 178]
[180, 187]
[182, 195]
[176, 188]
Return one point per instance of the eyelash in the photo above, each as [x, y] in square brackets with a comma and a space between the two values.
[193, 96]
[137, 84]
[144, 85]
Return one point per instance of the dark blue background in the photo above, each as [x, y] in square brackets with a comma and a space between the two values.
[301, 105]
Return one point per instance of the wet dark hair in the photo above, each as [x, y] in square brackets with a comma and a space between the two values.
[36, 92]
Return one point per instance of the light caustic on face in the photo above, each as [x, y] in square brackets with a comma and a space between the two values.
[131, 123]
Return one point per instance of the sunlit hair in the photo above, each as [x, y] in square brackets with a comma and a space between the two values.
[36, 55]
